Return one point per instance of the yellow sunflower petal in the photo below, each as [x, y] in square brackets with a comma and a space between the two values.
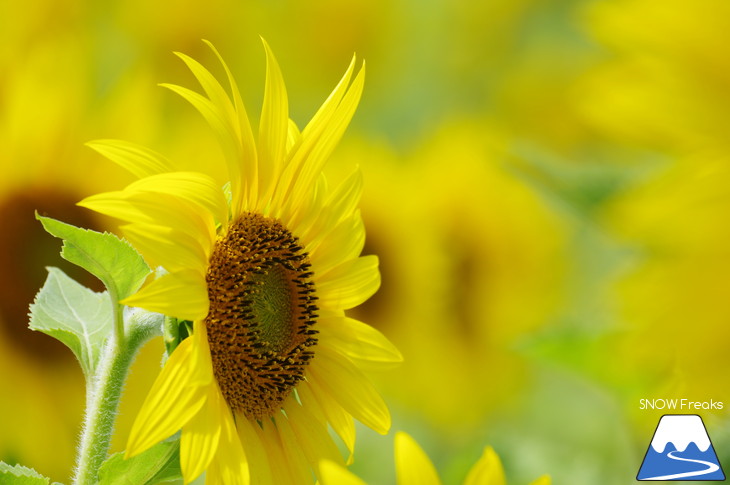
[487, 471]
[306, 219]
[225, 133]
[214, 475]
[280, 472]
[253, 448]
[359, 341]
[211, 114]
[328, 139]
[349, 284]
[293, 135]
[334, 474]
[297, 463]
[114, 204]
[346, 384]
[273, 127]
[173, 399]
[200, 437]
[167, 247]
[182, 295]
[337, 217]
[312, 435]
[340, 420]
[141, 161]
[318, 122]
[342, 243]
[412, 465]
[230, 465]
[543, 480]
[198, 188]
[329, 217]
[344, 199]
[213, 89]
[159, 209]
[309, 137]
[243, 172]
[228, 114]
[201, 362]
[304, 394]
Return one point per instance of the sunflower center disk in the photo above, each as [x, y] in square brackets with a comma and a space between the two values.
[261, 316]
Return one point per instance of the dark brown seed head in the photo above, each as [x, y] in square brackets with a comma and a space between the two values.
[262, 313]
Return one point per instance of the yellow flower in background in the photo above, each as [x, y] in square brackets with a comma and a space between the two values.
[666, 89]
[674, 300]
[666, 84]
[266, 278]
[463, 244]
[46, 168]
[413, 467]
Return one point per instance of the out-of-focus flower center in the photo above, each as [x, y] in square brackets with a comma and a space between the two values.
[25, 252]
[262, 313]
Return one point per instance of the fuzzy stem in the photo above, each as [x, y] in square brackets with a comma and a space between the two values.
[106, 391]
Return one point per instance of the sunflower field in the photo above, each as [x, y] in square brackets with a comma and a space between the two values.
[367, 242]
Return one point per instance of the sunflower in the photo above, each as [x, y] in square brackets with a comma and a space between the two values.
[413, 467]
[265, 269]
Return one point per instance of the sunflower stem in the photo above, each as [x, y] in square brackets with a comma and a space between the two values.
[118, 316]
[105, 391]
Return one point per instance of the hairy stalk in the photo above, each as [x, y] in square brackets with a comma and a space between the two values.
[106, 390]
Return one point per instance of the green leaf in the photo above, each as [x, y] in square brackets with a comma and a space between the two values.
[159, 464]
[20, 475]
[114, 261]
[73, 314]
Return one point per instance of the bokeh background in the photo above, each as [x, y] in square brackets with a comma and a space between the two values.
[547, 184]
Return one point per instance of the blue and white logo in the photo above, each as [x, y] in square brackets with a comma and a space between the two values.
[681, 450]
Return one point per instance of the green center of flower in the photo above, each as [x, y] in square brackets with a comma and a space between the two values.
[261, 314]
[271, 306]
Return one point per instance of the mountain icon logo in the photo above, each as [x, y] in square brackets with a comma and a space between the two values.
[680, 450]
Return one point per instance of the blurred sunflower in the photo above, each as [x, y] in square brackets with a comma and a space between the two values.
[491, 244]
[666, 89]
[673, 298]
[413, 467]
[665, 83]
[47, 169]
[265, 270]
